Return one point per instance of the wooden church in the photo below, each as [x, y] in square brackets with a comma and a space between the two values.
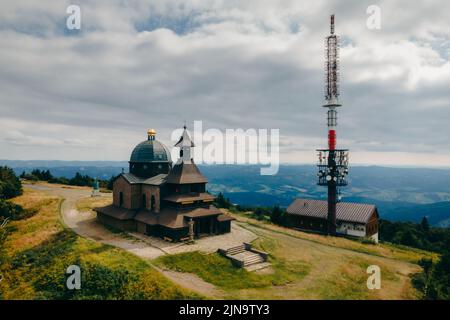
[161, 200]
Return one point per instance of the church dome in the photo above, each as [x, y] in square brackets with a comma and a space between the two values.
[150, 151]
[150, 158]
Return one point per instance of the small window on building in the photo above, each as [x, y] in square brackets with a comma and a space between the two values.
[144, 201]
[152, 203]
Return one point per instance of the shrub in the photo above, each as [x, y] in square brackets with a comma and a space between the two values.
[10, 185]
[14, 211]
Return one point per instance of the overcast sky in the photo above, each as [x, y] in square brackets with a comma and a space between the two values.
[92, 94]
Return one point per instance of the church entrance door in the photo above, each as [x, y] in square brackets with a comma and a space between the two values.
[203, 227]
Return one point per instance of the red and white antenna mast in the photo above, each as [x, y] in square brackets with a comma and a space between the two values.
[332, 83]
[333, 163]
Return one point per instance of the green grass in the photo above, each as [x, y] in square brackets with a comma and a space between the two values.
[335, 273]
[107, 272]
[304, 266]
[387, 250]
[219, 271]
[39, 250]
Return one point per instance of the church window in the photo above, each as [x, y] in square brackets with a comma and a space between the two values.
[152, 203]
[144, 201]
[120, 199]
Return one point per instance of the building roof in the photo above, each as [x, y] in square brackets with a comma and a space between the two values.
[150, 151]
[116, 212]
[155, 181]
[179, 198]
[184, 173]
[167, 217]
[174, 218]
[202, 212]
[224, 217]
[345, 211]
[185, 140]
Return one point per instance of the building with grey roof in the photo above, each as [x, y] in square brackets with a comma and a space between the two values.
[352, 219]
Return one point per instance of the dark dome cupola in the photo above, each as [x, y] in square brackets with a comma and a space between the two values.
[150, 158]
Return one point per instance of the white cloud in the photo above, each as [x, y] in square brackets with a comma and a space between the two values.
[232, 64]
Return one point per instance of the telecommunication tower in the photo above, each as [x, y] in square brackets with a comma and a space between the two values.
[333, 162]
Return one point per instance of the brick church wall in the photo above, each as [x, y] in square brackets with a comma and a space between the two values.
[131, 194]
[150, 191]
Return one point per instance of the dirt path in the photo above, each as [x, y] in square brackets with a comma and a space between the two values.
[193, 282]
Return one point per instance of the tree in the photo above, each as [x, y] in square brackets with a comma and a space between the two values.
[46, 175]
[222, 202]
[80, 180]
[10, 185]
[13, 211]
[409, 239]
[426, 264]
[424, 224]
[277, 215]
[110, 182]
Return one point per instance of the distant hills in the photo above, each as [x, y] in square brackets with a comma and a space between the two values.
[399, 193]
[438, 213]
[98, 169]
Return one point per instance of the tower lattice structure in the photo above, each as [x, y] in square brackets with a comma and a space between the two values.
[333, 162]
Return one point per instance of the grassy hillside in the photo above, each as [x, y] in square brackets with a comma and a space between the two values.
[307, 266]
[304, 266]
[385, 250]
[39, 250]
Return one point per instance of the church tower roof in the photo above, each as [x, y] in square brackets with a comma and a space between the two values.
[185, 171]
[185, 140]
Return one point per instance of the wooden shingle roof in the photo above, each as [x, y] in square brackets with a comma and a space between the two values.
[155, 181]
[345, 211]
[178, 198]
[175, 219]
[184, 173]
[116, 212]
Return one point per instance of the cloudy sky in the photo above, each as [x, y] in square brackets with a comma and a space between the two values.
[91, 94]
